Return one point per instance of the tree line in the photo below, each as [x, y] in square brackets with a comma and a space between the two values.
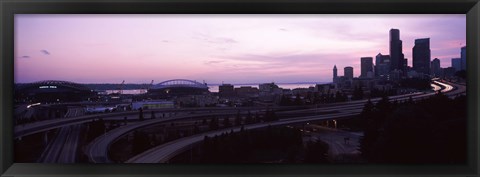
[268, 145]
[431, 130]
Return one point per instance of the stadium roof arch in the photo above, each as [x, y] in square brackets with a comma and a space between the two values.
[54, 83]
[178, 83]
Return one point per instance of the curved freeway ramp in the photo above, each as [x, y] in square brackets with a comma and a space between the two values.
[97, 150]
[162, 153]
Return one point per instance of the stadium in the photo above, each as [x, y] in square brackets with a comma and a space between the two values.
[52, 91]
[177, 87]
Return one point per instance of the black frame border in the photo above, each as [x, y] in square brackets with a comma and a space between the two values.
[10, 7]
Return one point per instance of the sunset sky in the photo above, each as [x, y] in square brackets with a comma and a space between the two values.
[215, 48]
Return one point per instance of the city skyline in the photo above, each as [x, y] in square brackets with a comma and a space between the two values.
[218, 48]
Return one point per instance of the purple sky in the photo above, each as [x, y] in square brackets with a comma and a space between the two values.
[216, 48]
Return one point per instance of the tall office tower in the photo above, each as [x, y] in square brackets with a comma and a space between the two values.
[382, 65]
[348, 72]
[335, 74]
[421, 56]
[457, 64]
[405, 64]
[366, 66]
[435, 67]
[463, 56]
[396, 54]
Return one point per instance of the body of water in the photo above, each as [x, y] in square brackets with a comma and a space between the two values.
[214, 88]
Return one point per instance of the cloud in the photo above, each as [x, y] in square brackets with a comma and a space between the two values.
[283, 29]
[227, 40]
[213, 62]
[45, 52]
[25, 56]
[212, 39]
[289, 63]
[221, 40]
[166, 41]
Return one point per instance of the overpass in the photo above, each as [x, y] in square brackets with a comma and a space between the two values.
[164, 152]
[45, 125]
[97, 150]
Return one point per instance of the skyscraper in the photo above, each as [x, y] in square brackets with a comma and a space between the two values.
[396, 53]
[421, 56]
[335, 73]
[463, 56]
[435, 67]
[366, 67]
[457, 64]
[382, 65]
[348, 72]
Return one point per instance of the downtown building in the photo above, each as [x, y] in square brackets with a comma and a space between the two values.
[345, 81]
[435, 69]
[397, 59]
[382, 65]
[366, 67]
[348, 72]
[463, 58]
[226, 90]
[457, 64]
[421, 56]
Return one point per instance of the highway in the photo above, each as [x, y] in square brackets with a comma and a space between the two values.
[69, 153]
[452, 89]
[63, 149]
[45, 125]
[164, 152]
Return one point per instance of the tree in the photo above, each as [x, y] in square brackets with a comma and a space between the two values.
[298, 100]
[434, 127]
[357, 93]
[285, 101]
[270, 116]
[384, 106]
[462, 74]
[368, 108]
[339, 97]
[317, 152]
[140, 116]
[238, 119]
[249, 118]
[152, 115]
[196, 129]
[226, 122]
[213, 123]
